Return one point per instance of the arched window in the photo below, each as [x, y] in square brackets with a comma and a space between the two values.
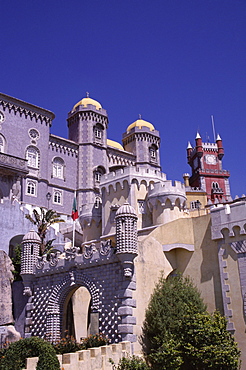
[99, 171]
[31, 188]
[32, 155]
[98, 133]
[58, 168]
[215, 185]
[57, 197]
[2, 144]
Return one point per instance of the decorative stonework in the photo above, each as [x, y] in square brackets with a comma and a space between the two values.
[26, 112]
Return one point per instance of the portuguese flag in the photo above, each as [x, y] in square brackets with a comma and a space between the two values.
[75, 213]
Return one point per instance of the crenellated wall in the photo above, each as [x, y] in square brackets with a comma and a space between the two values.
[92, 359]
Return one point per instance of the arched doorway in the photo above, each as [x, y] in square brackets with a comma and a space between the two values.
[77, 313]
[15, 241]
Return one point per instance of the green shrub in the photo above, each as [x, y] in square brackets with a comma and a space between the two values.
[130, 363]
[179, 334]
[15, 356]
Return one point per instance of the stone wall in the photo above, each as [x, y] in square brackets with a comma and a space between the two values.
[91, 359]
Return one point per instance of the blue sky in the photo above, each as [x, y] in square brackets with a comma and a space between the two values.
[175, 62]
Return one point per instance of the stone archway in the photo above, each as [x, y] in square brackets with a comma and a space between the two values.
[77, 314]
[62, 292]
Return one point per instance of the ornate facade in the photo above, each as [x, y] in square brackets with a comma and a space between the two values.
[133, 224]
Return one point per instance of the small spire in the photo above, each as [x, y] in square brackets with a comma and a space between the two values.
[140, 116]
[87, 94]
[218, 137]
[189, 145]
[198, 135]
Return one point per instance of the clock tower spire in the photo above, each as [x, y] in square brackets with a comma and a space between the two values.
[205, 160]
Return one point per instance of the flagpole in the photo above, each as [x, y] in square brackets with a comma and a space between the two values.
[73, 237]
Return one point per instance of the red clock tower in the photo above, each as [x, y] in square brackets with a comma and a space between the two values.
[205, 160]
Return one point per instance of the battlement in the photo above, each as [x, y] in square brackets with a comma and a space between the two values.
[168, 187]
[228, 217]
[26, 109]
[89, 107]
[132, 174]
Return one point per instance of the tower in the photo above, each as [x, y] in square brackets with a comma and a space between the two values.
[87, 125]
[143, 140]
[205, 160]
[29, 256]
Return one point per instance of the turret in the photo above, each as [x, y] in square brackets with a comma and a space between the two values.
[220, 147]
[143, 140]
[126, 237]
[29, 256]
[199, 150]
[189, 150]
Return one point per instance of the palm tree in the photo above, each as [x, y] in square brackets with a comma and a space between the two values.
[43, 220]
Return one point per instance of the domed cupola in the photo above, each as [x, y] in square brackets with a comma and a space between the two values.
[142, 139]
[126, 237]
[85, 102]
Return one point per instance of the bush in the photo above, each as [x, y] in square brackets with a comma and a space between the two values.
[131, 363]
[178, 332]
[95, 340]
[14, 357]
[69, 344]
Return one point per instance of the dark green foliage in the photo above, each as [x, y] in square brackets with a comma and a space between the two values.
[207, 344]
[16, 260]
[171, 301]
[68, 344]
[15, 356]
[178, 332]
[130, 363]
[43, 220]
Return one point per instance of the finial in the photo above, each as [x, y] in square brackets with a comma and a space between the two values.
[140, 116]
[198, 135]
[189, 145]
[218, 137]
[87, 94]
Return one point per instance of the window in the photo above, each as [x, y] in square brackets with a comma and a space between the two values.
[141, 206]
[153, 153]
[31, 188]
[97, 202]
[215, 185]
[58, 168]
[2, 144]
[32, 155]
[57, 197]
[195, 204]
[98, 133]
[98, 176]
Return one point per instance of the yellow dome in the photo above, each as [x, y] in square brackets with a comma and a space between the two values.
[140, 123]
[86, 101]
[114, 144]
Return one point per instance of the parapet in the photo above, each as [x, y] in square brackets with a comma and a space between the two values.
[163, 191]
[227, 217]
[136, 175]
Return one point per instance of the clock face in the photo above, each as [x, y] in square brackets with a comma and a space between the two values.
[1, 117]
[210, 159]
